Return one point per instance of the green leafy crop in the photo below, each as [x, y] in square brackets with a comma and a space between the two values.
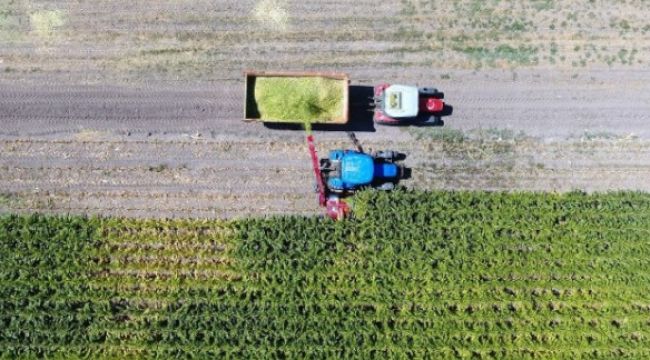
[444, 275]
[299, 99]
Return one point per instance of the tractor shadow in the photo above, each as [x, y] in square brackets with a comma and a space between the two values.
[360, 112]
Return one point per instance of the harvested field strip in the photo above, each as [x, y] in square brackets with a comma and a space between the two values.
[224, 179]
[443, 274]
[143, 41]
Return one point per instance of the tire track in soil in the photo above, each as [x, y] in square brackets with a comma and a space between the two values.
[181, 149]
[87, 179]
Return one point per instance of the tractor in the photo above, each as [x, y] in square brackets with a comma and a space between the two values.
[345, 171]
[402, 104]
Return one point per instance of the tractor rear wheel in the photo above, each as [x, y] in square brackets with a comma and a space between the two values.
[387, 155]
[435, 120]
[385, 121]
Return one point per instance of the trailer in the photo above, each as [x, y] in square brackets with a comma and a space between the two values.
[296, 97]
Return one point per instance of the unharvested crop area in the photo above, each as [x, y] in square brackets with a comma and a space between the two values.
[414, 275]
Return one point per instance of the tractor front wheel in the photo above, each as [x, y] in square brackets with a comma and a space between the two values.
[426, 91]
[386, 186]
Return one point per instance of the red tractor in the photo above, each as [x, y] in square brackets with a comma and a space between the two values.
[401, 104]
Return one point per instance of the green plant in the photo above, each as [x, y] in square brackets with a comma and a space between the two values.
[414, 275]
[302, 99]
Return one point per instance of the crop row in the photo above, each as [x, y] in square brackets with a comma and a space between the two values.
[322, 352]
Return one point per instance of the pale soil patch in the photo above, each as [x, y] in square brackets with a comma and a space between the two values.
[89, 135]
[272, 14]
[45, 22]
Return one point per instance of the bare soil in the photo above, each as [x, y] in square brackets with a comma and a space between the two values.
[134, 109]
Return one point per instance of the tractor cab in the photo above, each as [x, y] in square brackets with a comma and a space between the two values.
[400, 101]
[398, 104]
[350, 169]
[346, 170]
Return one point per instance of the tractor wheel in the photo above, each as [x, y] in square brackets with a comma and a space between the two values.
[380, 119]
[386, 122]
[434, 120]
[428, 91]
[325, 164]
[387, 155]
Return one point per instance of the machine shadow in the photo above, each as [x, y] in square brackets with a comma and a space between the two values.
[360, 112]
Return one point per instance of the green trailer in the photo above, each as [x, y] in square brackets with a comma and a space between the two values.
[296, 97]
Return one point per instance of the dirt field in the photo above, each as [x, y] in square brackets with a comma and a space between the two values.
[135, 108]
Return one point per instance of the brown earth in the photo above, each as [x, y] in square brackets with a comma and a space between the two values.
[135, 109]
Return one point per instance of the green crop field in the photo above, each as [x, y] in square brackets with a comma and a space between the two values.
[467, 275]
